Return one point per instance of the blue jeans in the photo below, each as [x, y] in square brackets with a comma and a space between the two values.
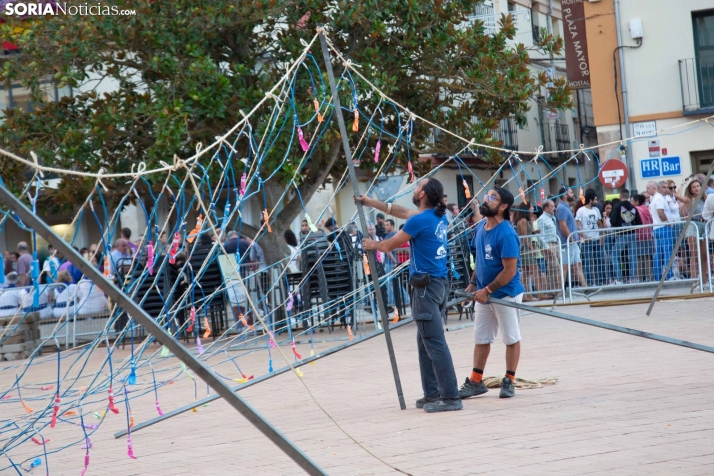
[664, 246]
[625, 241]
[388, 268]
[438, 376]
[593, 262]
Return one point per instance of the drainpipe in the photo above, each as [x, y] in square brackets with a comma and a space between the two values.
[549, 27]
[625, 107]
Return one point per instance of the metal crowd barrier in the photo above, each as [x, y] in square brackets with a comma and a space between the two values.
[541, 267]
[632, 256]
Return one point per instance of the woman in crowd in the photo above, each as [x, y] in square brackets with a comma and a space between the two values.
[645, 242]
[677, 207]
[291, 241]
[608, 241]
[27, 296]
[695, 232]
[90, 299]
[64, 296]
[522, 215]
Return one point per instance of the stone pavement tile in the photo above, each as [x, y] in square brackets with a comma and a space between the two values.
[607, 413]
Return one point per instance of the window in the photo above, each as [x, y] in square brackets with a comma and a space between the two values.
[701, 161]
[704, 55]
[460, 193]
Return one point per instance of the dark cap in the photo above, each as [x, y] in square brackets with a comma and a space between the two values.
[507, 198]
[330, 222]
[380, 215]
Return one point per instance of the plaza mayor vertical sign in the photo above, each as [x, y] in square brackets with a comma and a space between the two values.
[577, 64]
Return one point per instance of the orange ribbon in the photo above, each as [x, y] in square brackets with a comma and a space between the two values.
[206, 334]
[266, 219]
[317, 110]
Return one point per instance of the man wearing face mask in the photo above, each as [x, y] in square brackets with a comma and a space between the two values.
[497, 274]
[426, 230]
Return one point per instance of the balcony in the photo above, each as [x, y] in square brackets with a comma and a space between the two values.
[521, 19]
[562, 137]
[557, 138]
[697, 84]
[507, 133]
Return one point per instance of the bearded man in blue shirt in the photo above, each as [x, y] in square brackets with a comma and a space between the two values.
[426, 230]
[497, 274]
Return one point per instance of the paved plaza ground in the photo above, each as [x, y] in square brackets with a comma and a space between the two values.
[622, 405]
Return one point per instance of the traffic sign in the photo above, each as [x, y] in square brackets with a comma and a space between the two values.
[613, 173]
[650, 168]
[671, 166]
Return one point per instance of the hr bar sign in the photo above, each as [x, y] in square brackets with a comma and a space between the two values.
[577, 63]
[657, 167]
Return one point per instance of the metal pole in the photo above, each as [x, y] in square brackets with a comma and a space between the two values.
[594, 323]
[263, 378]
[371, 255]
[158, 332]
[679, 241]
[625, 107]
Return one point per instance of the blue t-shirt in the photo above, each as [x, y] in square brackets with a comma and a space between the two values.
[429, 243]
[563, 213]
[491, 247]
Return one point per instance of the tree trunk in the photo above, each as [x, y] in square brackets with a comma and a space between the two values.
[273, 244]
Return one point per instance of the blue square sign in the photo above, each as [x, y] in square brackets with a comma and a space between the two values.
[650, 168]
[671, 166]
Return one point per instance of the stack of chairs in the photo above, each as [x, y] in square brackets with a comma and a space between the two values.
[213, 303]
[338, 273]
[313, 290]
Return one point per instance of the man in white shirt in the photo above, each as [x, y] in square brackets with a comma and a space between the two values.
[10, 302]
[663, 235]
[589, 220]
[547, 226]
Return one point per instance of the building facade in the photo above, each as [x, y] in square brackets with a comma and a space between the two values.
[668, 57]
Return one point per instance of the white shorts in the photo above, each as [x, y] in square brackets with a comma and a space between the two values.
[570, 255]
[491, 317]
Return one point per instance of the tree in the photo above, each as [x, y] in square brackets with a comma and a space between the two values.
[184, 70]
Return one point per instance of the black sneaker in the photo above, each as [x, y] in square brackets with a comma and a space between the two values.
[444, 406]
[424, 400]
[472, 389]
[508, 390]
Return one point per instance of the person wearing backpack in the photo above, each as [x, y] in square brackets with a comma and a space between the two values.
[624, 217]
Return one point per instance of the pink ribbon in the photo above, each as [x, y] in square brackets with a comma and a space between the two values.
[303, 142]
[130, 448]
[376, 151]
[174, 248]
[295, 350]
[56, 410]
[201, 350]
[411, 172]
[112, 408]
[86, 464]
[158, 408]
[150, 258]
[243, 181]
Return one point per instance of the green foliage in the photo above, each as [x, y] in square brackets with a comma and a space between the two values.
[180, 73]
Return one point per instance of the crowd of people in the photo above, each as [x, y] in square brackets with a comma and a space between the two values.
[602, 242]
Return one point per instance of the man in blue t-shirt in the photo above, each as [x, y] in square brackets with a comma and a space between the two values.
[497, 274]
[427, 233]
[569, 249]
